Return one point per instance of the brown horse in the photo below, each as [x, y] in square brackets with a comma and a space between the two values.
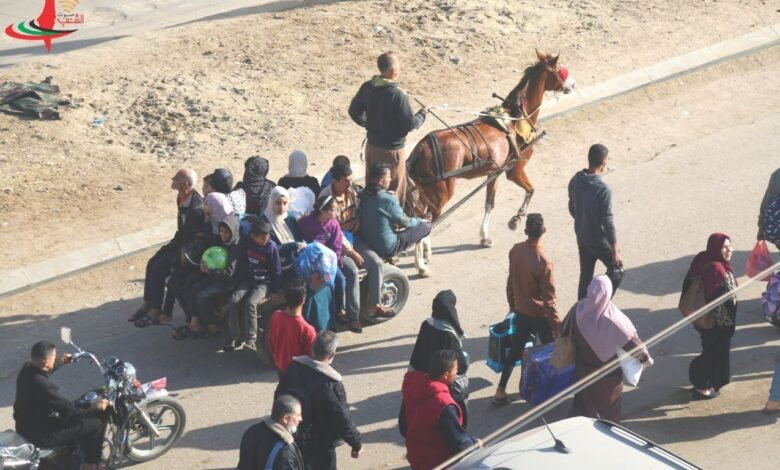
[477, 149]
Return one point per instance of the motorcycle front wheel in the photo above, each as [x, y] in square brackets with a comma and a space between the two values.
[168, 416]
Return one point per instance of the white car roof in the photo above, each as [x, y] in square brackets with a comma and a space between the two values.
[592, 444]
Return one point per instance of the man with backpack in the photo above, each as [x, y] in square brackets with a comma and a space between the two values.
[269, 444]
[769, 214]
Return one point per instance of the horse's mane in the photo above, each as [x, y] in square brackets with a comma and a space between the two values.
[529, 74]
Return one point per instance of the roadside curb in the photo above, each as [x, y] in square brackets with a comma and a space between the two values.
[19, 280]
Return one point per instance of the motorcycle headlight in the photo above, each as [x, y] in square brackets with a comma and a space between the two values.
[129, 373]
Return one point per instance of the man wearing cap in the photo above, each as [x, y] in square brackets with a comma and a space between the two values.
[383, 109]
[530, 293]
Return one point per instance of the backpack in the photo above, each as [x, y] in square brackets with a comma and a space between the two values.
[772, 220]
[770, 300]
[692, 299]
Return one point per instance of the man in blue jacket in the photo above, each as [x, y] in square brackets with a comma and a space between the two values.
[380, 214]
[383, 108]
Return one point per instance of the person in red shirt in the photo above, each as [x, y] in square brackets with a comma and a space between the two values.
[290, 334]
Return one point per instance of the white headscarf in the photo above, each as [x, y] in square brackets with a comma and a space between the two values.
[278, 225]
[297, 163]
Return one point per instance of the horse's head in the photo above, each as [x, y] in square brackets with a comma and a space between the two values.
[556, 77]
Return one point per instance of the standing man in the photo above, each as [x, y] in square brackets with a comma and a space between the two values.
[189, 225]
[269, 444]
[769, 213]
[590, 203]
[530, 293]
[383, 108]
[327, 420]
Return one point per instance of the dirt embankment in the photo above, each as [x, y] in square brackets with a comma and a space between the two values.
[212, 93]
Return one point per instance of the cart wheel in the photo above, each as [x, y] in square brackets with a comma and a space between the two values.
[394, 294]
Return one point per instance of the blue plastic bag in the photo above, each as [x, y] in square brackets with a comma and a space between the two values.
[317, 259]
[540, 379]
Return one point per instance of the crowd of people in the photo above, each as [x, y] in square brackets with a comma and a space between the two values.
[263, 240]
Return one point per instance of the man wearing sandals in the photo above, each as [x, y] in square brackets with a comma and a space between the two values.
[345, 193]
[189, 227]
[530, 293]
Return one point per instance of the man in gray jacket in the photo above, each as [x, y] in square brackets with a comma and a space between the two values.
[590, 203]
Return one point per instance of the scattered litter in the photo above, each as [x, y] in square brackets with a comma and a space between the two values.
[99, 121]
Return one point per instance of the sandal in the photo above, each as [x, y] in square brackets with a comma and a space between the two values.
[356, 327]
[341, 317]
[183, 332]
[144, 321]
[501, 401]
[383, 311]
[160, 321]
[140, 313]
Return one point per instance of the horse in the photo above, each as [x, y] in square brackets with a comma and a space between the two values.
[480, 148]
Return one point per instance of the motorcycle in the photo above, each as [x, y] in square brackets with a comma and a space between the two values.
[143, 421]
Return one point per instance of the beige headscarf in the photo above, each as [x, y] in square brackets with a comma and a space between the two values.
[278, 225]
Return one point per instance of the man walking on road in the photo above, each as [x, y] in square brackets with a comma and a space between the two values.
[590, 203]
[326, 420]
[269, 444]
[383, 108]
[530, 292]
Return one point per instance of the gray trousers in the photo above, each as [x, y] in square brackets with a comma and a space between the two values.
[374, 270]
[352, 288]
[251, 295]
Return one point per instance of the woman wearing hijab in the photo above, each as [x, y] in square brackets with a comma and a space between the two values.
[284, 227]
[322, 226]
[255, 185]
[442, 330]
[598, 329]
[709, 371]
[297, 176]
[216, 207]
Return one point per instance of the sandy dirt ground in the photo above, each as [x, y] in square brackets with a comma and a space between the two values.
[689, 157]
[211, 93]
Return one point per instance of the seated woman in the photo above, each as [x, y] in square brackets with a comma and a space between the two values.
[255, 185]
[297, 176]
[284, 228]
[322, 226]
[317, 265]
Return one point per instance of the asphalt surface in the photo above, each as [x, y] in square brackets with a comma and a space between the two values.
[706, 145]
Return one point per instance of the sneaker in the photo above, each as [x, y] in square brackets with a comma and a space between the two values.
[250, 345]
[232, 346]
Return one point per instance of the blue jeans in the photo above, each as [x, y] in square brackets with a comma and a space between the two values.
[774, 390]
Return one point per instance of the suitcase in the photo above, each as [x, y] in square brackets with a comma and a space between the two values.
[500, 343]
[540, 380]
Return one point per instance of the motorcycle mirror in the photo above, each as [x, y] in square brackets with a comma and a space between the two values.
[65, 335]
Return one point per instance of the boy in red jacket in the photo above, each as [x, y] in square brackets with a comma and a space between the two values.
[434, 421]
[289, 334]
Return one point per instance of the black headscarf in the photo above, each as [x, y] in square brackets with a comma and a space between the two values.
[444, 309]
[257, 187]
[222, 180]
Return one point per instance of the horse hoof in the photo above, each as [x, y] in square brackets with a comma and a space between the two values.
[425, 272]
[513, 222]
[486, 243]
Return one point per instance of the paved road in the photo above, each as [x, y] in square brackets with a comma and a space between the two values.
[690, 157]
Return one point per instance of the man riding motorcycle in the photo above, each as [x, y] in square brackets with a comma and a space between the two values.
[46, 418]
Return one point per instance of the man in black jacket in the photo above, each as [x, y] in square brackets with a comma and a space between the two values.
[383, 108]
[326, 417]
[270, 443]
[189, 228]
[46, 418]
[590, 203]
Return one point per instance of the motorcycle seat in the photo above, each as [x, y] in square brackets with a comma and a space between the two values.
[13, 445]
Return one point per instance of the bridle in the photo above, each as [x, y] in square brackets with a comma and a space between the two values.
[561, 74]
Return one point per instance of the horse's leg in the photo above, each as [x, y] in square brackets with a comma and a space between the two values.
[436, 195]
[518, 176]
[490, 201]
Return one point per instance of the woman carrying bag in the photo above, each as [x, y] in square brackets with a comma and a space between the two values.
[598, 330]
[712, 269]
